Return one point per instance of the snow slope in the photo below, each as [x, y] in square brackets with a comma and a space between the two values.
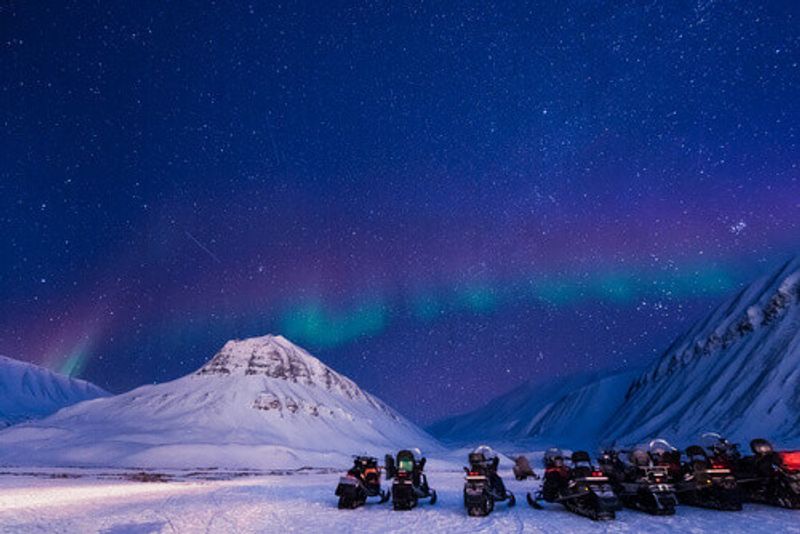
[28, 391]
[736, 372]
[568, 412]
[260, 402]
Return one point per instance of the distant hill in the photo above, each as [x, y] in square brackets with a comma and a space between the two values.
[28, 391]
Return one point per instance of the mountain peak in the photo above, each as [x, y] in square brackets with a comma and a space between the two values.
[276, 357]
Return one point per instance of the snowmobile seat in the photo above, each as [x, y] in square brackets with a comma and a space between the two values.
[581, 464]
[639, 458]
[366, 462]
[671, 458]
[477, 458]
[697, 457]
[581, 457]
[696, 453]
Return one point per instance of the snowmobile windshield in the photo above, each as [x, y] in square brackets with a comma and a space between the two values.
[716, 443]
[553, 457]
[660, 446]
[711, 439]
[405, 464]
[406, 461]
[485, 451]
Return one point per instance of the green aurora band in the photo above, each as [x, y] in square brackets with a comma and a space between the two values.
[325, 326]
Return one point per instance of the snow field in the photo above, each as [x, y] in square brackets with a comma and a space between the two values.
[305, 503]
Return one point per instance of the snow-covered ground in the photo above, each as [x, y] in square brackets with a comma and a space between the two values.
[103, 501]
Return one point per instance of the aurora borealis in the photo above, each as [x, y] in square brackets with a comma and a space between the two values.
[439, 201]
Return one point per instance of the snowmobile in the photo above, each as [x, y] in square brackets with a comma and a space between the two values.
[707, 484]
[722, 452]
[483, 486]
[363, 480]
[410, 483]
[639, 484]
[770, 477]
[581, 488]
[522, 469]
[665, 455]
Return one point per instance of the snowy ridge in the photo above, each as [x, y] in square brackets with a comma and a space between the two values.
[28, 391]
[569, 412]
[260, 402]
[736, 372]
[276, 357]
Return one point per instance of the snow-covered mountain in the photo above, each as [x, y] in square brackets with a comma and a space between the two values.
[28, 391]
[568, 412]
[260, 402]
[736, 372]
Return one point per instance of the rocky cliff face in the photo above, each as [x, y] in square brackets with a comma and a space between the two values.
[737, 371]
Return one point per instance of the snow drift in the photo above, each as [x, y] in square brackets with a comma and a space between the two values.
[261, 402]
[569, 412]
[736, 372]
[28, 391]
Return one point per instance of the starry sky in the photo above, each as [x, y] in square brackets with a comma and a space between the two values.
[440, 200]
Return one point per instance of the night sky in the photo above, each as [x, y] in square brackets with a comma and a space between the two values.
[439, 201]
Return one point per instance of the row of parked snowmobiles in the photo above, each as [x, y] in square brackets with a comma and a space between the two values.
[653, 479]
[363, 480]
[483, 487]
[656, 478]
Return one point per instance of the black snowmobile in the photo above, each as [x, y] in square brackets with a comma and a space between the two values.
[721, 452]
[522, 469]
[707, 484]
[770, 477]
[363, 480]
[483, 486]
[639, 484]
[581, 488]
[410, 483]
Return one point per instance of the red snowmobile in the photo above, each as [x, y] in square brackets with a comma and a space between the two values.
[363, 480]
